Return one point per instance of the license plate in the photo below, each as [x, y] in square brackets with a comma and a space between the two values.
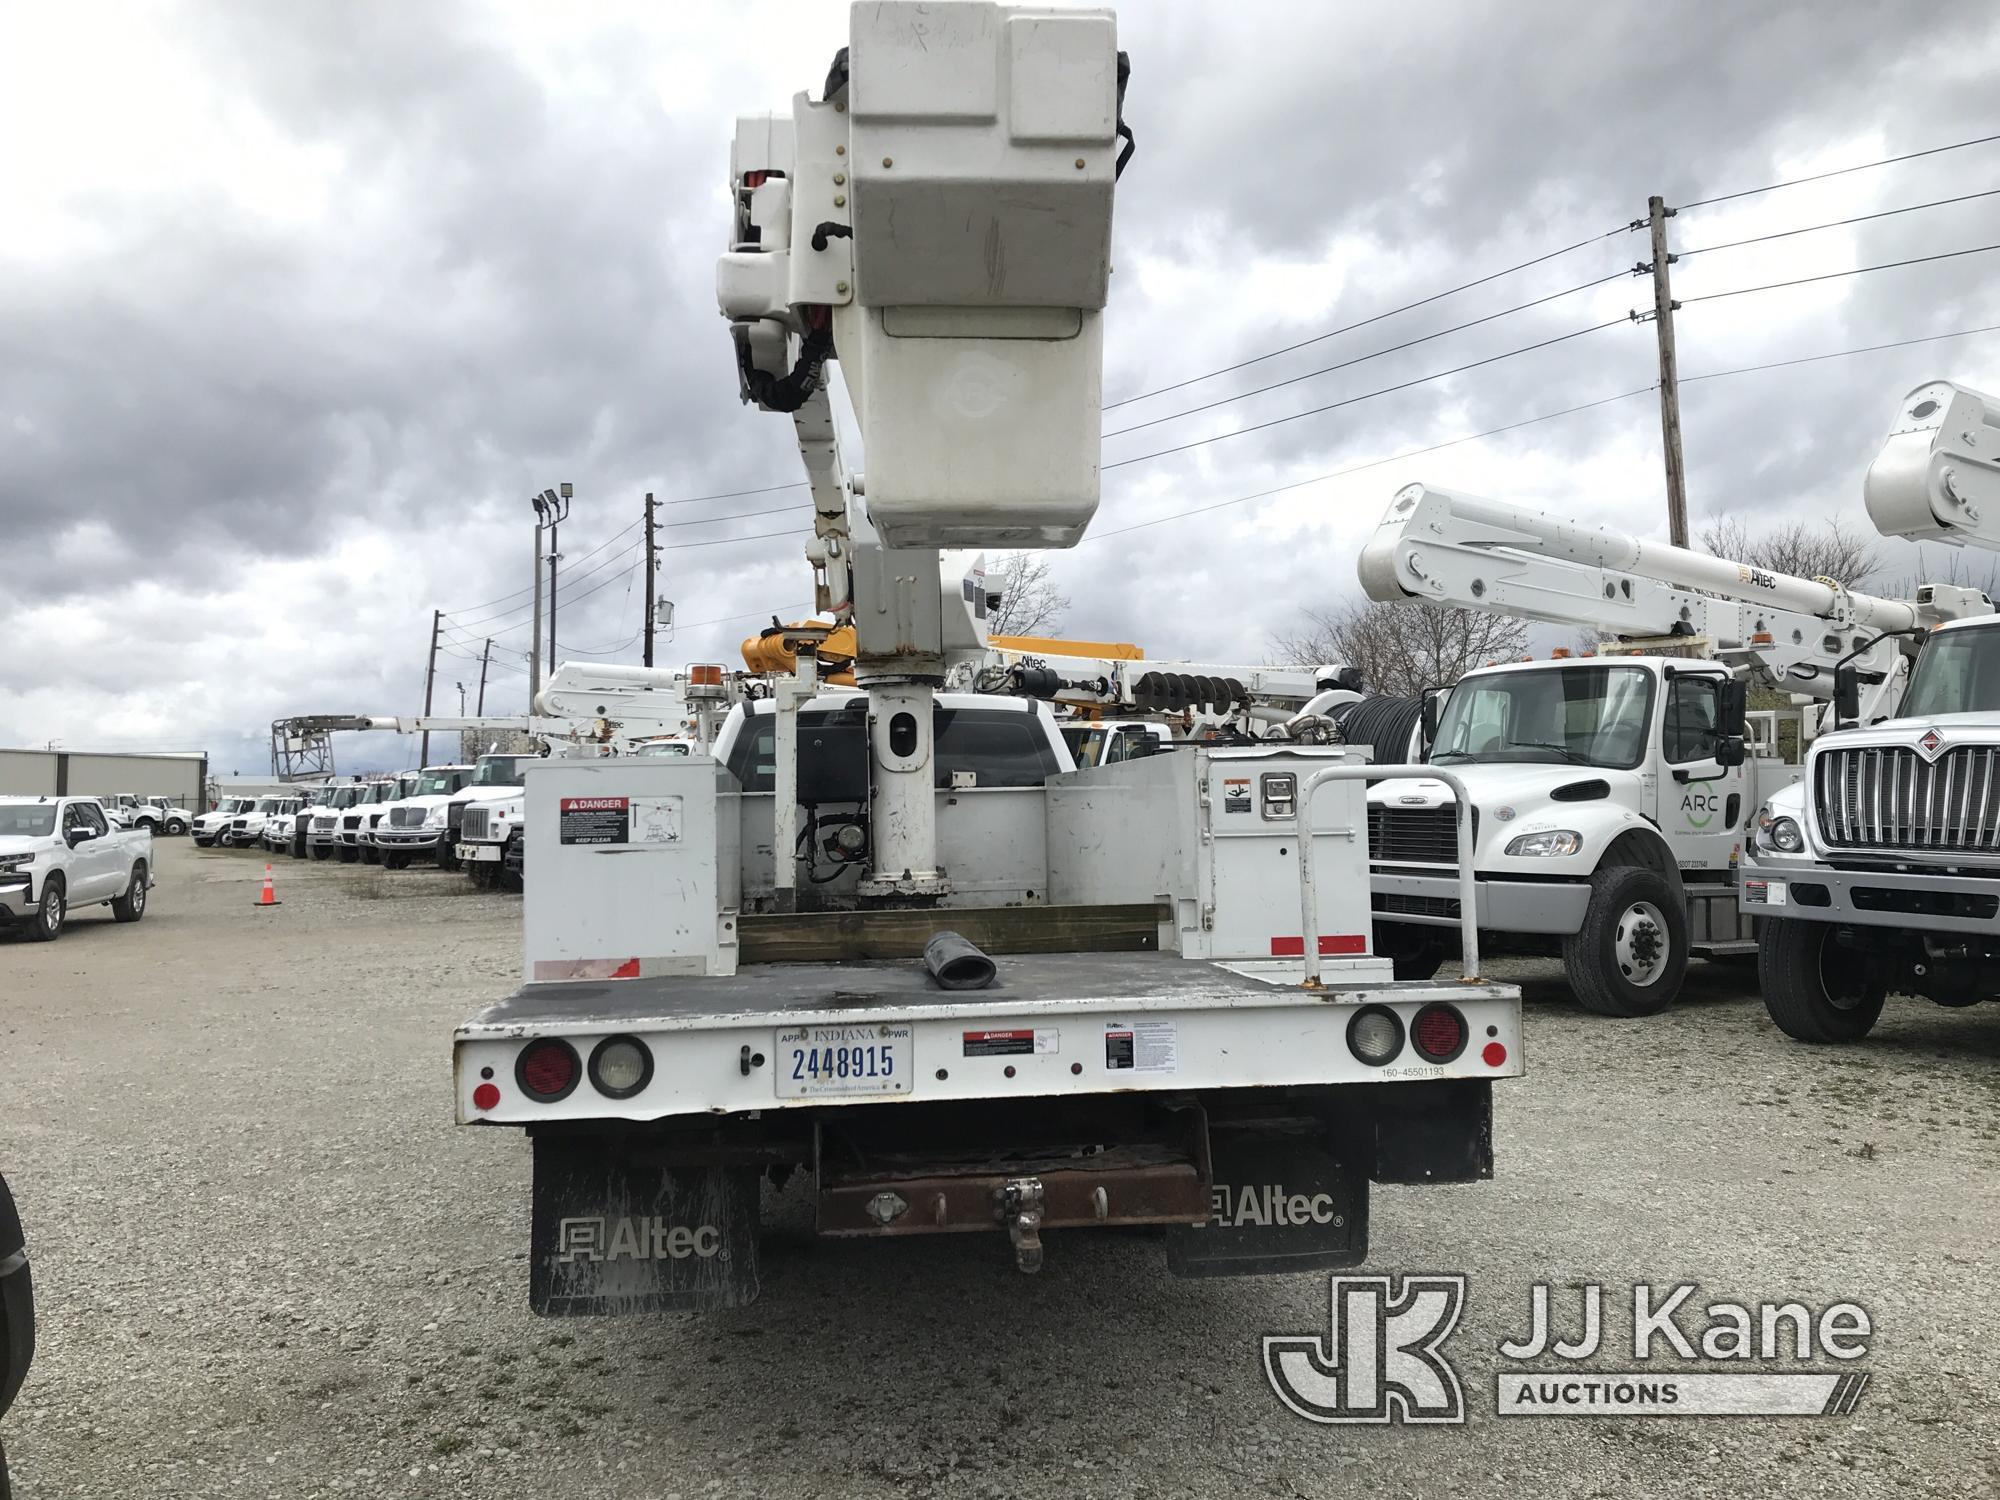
[813, 1061]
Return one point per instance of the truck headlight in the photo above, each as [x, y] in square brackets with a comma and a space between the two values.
[1549, 843]
[12, 862]
[435, 818]
[1779, 833]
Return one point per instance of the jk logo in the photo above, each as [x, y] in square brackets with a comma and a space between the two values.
[1379, 1360]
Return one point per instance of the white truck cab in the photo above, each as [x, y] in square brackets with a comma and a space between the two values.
[322, 819]
[414, 825]
[496, 778]
[357, 824]
[209, 827]
[1876, 872]
[1610, 794]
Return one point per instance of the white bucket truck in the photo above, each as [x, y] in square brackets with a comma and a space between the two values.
[1173, 1018]
[1879, 872]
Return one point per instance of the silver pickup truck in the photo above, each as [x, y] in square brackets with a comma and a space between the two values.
[61, 853]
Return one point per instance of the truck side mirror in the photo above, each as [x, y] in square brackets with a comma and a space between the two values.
[1846, 694]
[1732, 706]
[1729, 751]
[1430, 721]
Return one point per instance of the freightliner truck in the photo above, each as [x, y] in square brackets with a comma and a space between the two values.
[1143, 993]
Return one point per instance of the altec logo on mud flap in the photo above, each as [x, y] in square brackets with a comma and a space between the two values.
[1267, 1204]
[635, 1238]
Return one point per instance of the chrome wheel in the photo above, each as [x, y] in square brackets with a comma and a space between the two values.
[1641, 943]
[53, 910]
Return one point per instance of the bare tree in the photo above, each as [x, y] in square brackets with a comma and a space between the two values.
[1804, 549]
[1403, 648]
[473, 743]
[1030, 603]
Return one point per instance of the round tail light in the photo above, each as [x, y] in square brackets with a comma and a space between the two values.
[1439, 1032]
[620, 1066]
[1375, 1035]
[547, 1070]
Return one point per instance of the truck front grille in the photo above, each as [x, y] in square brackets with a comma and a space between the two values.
[474, 826]
[351, 820]
[408, 817]
[1415, 835]
[324, 822]
[1890, 797]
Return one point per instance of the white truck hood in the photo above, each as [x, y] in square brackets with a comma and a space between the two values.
[1499, 784]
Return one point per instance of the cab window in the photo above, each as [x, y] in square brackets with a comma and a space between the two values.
[1694, 709]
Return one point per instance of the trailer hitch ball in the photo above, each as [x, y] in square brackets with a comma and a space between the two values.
[1020, 1208]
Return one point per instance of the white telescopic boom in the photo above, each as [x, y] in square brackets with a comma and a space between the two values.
[1426, 529]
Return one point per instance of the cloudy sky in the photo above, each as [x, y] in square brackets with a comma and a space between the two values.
[299, 304]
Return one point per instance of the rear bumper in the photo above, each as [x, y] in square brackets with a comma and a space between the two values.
[1804, 890]
[1503, 905]
[728, 1063]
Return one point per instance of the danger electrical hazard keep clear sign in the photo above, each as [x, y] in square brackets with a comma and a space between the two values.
[596, 820]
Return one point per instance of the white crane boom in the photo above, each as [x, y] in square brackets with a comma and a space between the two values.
[1455, 550]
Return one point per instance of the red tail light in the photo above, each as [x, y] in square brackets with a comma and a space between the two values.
[547, 1070]
[1439, 1032]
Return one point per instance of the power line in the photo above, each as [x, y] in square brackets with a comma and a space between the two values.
[748, 515]
[1811, 359]
[1375, 463]
[724, 541]
[468, 609]
[1576, 333]
[1887, 161]
[1365, 322]
[1548, 416]
[1772, 286]
[1361, 359]
[574, 579]
[1785, 234]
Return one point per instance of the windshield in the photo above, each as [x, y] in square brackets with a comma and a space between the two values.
[500, 770]
[1584, 716]
[1957, 672]
[35, 820]
[662, 747]
[438, 783]
[237, 805]
[267, 804]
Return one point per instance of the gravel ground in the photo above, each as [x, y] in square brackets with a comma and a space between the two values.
[268, 1264]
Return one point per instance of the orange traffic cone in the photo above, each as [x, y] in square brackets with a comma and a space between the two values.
[270, 895]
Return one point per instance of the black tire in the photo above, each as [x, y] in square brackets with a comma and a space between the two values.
[202, 843]
[349, 854]
[320, 851]
[395, 861]
[369, 855]
[176, 827]
[1807, 1002]
[131, 906]
[46, 925]
[1630, 955]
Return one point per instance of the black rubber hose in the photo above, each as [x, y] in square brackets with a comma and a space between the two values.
[956, 964]
[1386, 724]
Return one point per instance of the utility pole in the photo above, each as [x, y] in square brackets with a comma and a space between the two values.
[535, 655]
[430, 678]
[650, 552]
[1657, 214]
[485, 656]
[461, 698]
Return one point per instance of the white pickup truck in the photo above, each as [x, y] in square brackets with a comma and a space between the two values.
[61, 853]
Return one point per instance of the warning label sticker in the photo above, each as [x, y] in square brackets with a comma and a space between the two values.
[656, 820]
[1020, 1042]
[1236, 794]
[1141, 1047]
[595, 820]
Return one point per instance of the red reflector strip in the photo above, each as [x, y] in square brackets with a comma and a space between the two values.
[1329, 942]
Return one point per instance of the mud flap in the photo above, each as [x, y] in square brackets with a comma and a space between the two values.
[614, 1233]
[1281, 1201]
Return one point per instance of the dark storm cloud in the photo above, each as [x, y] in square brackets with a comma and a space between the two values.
[508, 281]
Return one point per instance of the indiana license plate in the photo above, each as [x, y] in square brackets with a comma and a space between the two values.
[845, 1060]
